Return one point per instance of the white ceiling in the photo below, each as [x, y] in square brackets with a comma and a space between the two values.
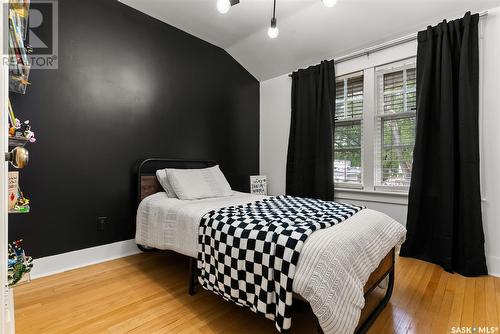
[309, 31]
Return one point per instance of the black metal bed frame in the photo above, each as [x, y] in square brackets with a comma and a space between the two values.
[192, 283]
[361, 330]
[150, 167]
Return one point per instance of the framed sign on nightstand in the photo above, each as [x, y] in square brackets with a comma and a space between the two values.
[258, 184]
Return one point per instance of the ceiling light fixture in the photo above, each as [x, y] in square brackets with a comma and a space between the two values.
[273, 30]
[223, 6]
[329, 3]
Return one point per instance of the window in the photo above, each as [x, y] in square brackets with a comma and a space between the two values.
[375, 120]
[395, 122]
[347, 139]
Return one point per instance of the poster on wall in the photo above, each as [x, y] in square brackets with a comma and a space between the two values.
[13, 189]
[258, 184]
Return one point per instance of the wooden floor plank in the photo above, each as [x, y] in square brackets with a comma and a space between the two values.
[437, 302]
[404, 275]
[497, 289]
[491, 303]
[480, 303]
[440, 321]
[422, 318]
[458, 301]
[407, 322]
[147, 293]
[404, 301]
[469, 300]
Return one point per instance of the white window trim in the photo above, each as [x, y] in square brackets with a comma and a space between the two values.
[344, 78]
[403, 65]
[371, 196]
[368, 190]
[348, 186]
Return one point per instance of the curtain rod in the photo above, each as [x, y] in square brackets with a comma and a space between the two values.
[383, 46]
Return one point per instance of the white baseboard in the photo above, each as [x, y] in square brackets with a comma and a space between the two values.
[50, 265]
[493, 265]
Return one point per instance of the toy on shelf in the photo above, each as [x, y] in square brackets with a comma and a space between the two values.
[19, 265]
[20, 203]
[23, 204]
[21, 11]
[17, 202]
[22, 130]
[19, 132]
[19, 64]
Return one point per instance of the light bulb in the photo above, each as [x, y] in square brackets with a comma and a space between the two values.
[329, 3]
[223, 6]
[273, 32]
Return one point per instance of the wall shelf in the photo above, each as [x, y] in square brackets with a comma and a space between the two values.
[19, 211]
[17, 141]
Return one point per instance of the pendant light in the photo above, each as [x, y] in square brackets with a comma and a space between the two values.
[329, 3]
[223, 6]
[273, 30]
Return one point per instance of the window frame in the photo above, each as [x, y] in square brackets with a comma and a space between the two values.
[380, 71]
[350, 121]
[370, 135]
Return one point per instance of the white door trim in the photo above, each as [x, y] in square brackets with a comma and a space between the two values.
[6, 300]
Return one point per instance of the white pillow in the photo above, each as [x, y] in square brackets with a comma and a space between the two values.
[161, 175]
[199, 183]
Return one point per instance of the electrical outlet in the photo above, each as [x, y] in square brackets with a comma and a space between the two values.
[101, 223]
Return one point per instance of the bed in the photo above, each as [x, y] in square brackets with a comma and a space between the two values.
[337, 269]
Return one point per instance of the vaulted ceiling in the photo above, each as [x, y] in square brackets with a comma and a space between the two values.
[309, 31]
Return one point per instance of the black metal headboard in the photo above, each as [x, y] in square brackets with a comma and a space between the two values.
[146, 173]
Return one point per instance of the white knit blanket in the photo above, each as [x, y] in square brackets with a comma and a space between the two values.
[333, 267]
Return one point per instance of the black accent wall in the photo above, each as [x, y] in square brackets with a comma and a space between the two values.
[128, 87]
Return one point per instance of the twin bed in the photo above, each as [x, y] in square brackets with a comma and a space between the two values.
[338, 266]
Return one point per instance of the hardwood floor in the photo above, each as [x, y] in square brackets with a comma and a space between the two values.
[147, 293]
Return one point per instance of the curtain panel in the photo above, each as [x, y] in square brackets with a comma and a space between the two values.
[309, 169]
[444, 206]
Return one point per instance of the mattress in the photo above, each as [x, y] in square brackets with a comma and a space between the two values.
[333, 267]
[172, 224]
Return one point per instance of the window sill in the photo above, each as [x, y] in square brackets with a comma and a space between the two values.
[348, 186]
[390, 197]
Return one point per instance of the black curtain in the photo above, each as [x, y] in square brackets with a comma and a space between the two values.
[309, 169]
[444, 207]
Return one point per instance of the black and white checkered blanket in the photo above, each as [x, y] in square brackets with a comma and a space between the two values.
[248, 253]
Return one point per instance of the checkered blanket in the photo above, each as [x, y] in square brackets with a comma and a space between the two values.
[248, 253]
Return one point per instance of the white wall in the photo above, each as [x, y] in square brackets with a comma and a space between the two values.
[490, 138]
[275, 105]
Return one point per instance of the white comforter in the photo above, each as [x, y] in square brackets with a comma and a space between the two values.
[333, 267]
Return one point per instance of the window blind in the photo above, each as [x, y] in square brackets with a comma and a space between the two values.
[349, 97]
[348, 131]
